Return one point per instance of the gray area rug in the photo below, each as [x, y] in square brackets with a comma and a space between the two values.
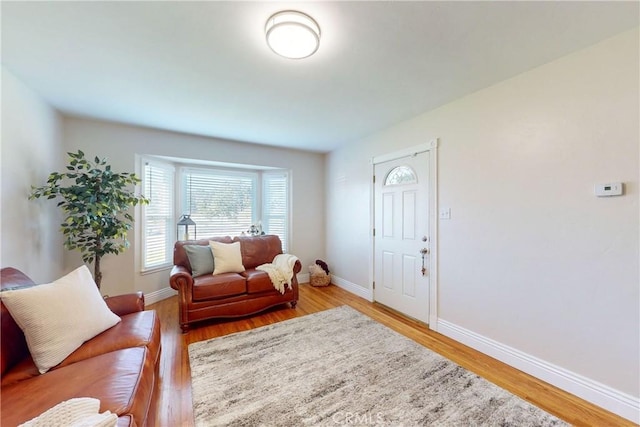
[339, 367]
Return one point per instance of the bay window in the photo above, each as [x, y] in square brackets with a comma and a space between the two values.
[221, 201]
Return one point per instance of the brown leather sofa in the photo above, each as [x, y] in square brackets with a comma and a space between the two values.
[230, 294]
[119, 366]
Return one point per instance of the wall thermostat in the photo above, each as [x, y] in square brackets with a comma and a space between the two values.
[610, 189]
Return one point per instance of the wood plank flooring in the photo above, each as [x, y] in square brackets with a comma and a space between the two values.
[174, 408]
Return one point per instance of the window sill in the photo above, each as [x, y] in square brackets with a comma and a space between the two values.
[156, 269]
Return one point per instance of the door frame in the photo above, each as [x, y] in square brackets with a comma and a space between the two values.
[432, 148]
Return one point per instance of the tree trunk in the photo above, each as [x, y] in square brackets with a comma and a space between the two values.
[97, 274]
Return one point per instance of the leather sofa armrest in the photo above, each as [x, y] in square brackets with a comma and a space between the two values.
[297, 267]
[126, 304]
[180, 278]
[182, 281]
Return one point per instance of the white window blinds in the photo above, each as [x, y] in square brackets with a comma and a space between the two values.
[275, 205]
[222, 203]
[158, 215]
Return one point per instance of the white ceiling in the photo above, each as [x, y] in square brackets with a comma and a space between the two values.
[204, 67]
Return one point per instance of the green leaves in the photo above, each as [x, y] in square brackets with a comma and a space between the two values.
[96, 202]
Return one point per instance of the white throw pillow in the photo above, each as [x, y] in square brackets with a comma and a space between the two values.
[58, 317]
[227, 257]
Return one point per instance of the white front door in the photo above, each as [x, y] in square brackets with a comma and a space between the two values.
[401, 242]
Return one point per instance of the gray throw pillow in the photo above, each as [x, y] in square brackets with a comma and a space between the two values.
[200, 258]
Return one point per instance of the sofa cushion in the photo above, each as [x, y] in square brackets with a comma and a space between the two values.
[258, 250]
[220, 286]
[200, 258]
[122, 380]
[58, 317]
[136, 329]
[258, 281]
[227, 257]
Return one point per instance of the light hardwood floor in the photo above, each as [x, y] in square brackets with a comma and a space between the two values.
[175, 382]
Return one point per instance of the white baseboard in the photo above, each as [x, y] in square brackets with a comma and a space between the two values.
[619, 403]
[159, 295]
[303, 277]
[352, 287]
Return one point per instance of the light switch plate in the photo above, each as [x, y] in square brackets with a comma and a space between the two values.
[445, 213]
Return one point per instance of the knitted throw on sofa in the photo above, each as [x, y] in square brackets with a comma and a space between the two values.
[280, 271]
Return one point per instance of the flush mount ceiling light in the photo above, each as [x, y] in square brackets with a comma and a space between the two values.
[292, 34]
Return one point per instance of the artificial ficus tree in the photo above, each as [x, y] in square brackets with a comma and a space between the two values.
[96, 201]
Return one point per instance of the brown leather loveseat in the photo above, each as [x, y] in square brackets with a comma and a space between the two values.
[119, 366]
[230, 294]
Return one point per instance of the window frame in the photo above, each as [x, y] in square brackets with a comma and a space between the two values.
[170, 219]
[287, 215]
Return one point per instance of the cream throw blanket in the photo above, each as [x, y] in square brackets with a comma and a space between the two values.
[280, 271]
[77, 412]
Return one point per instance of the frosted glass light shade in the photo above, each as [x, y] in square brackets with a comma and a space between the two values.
[292, 34]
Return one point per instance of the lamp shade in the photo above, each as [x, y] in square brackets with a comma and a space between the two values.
[292, 34]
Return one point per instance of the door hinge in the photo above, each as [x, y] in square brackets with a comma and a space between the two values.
[374, 284]
[374, 232]
[374, 179]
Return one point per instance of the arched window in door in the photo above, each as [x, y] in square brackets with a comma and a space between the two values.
[401, 175]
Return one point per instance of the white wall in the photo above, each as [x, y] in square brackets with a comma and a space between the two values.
[530, 259]
[120, 144]
[31, 149]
